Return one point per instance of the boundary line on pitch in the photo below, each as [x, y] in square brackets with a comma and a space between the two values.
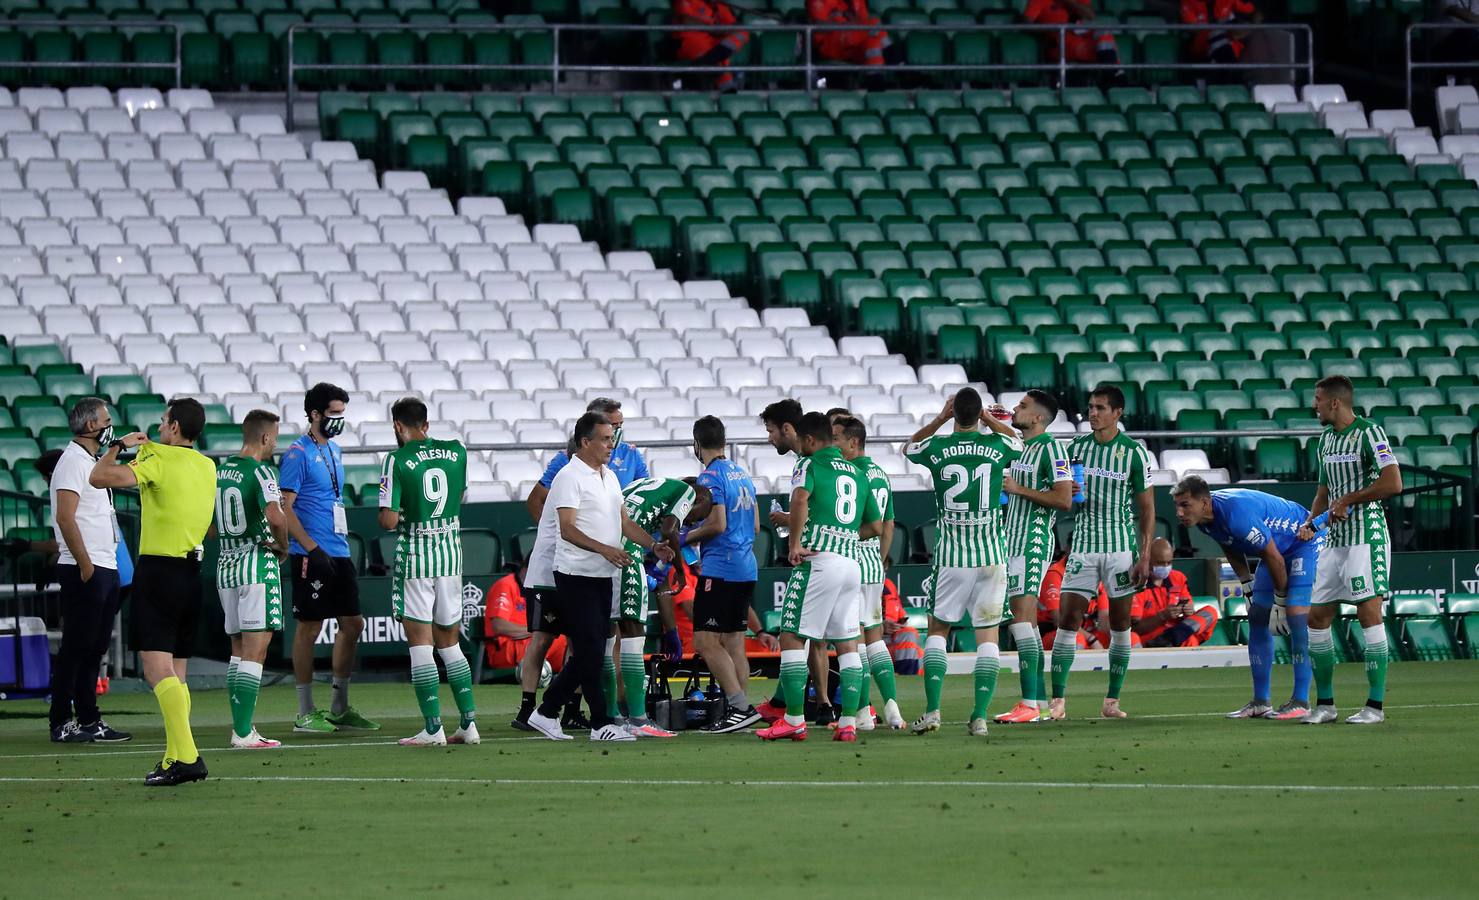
[698, 782]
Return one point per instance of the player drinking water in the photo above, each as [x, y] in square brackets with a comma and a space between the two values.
[1248, 524]
[421, 491]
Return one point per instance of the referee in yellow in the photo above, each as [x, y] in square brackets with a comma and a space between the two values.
[177, 493]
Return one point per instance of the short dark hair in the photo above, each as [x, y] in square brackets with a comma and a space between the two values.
[585, 428]
[84, 415]
[1045, 400]
[409, 411]
[1194, 486]
[1111, 394]
[838, 412]
[256, 423]
[319, 397]
[815, 425]
[783, 412]
[46, 463]
[1340, 386]
[967, 406]
[603, 405]
[853, 429]
[708, 433]
[188, 415]
[700, 492]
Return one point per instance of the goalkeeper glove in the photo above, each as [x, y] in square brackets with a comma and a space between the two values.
[672, 645]
[1248, 588]
[1278, 618]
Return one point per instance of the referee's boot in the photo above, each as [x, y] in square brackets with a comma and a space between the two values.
[176, 773]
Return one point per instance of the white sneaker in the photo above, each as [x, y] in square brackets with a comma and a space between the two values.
[892, 716]
[1251, 710]
[977, 728]
[548, 727]
[422, 739]
[612, 732]
[867, 721]
[253, 741]
[1366, 715]
[468, 735]
[1320, 715]
[926, 723]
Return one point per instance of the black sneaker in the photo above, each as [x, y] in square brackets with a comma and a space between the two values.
[71, 733]
[734, 720]
[176, 773]
[575, 720]
[103, 733]
[521, 722]
[824, 716]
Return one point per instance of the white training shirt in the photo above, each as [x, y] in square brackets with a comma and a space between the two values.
[595, 495]
[94, 510]
[541, 571]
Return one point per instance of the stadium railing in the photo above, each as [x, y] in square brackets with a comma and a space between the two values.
[808, 64]
[81, 26]
[1414, 31]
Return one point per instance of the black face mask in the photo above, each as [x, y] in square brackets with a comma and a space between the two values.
[332, 426]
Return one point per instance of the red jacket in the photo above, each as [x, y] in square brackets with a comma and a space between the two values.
[1157, 597]
[702, 12]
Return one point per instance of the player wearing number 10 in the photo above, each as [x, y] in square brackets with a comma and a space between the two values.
[254, 534]
[970, 577]
[421, 491]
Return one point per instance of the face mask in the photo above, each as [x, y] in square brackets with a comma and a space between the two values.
[697, 453]
[333, 426]
[1161, 572]
[616, 436]
[105, 437]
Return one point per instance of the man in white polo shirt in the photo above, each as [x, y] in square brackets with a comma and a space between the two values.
[591, 522]
[87, 570]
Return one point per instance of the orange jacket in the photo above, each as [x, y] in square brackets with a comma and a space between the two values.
[839, 12]
[1157, 597]
[702, 12]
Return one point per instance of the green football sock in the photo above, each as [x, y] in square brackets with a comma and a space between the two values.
[865, 698]
[881, 663]
[608, 677]
[634, 676]
[1322, 661]
[244, 691]
[1029, 659]
[1377, 656]
[1065, 645]
[232, 666]
[988, 666]
[850, 674]
[935, 665]
[1119, 661]
[459, 679]
[793, 683]
[427, 685]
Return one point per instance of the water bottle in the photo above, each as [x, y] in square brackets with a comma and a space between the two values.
[782, 532]
[1078, 480]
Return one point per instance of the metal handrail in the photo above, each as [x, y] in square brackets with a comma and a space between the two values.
[808, 63]
[112, 25]
[1413, 66]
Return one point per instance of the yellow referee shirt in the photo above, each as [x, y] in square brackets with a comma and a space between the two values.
[177, 493]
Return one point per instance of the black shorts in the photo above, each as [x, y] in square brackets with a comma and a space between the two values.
[317, 601]
[722, 606]
[540, 610]
[166, 605]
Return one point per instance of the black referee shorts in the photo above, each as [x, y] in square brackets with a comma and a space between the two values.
[315, 600]
[722, 606]
[166, 604]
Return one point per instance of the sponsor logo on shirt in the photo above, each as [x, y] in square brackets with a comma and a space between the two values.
[1343, 457]
[1109, 473]
[1255, 537]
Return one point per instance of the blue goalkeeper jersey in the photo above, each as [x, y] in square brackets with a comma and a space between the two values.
[1246, 521]
[730, 555]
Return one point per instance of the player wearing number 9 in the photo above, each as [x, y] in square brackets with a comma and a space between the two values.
[970, 576]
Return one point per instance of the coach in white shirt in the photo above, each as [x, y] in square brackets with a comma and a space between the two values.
[87, 571]
[588, 552]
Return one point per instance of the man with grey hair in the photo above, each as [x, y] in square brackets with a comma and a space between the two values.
[87, 570]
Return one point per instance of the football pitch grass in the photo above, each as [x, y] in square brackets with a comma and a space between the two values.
[1175, 800]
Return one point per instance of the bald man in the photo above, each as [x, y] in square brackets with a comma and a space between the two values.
[1163, 613]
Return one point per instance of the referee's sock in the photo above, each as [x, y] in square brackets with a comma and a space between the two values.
[174, 704]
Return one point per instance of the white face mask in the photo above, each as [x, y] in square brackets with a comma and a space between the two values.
[1161, 572]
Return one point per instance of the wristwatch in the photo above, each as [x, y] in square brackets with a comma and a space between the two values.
[118, 443]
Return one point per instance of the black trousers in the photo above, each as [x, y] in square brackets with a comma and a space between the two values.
[584, 608]
[88, 610]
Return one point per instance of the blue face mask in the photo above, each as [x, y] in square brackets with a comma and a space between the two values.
[1161, 572]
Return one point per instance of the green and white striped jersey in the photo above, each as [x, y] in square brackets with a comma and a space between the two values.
[650, 500]
[1044, 463]
[1114, 475]
[244, 488]
[968, 468]
[424, 481]
[870, 551]
[838, 503]
[1352, 460]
